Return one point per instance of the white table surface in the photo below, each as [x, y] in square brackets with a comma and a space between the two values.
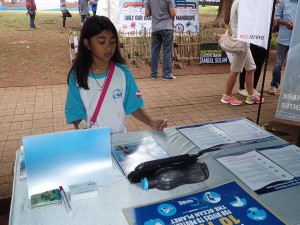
[107, 208]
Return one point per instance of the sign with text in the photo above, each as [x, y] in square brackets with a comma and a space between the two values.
[254, 21]
[212, 54]
[133, 19]
[289, 102]
[223, 205]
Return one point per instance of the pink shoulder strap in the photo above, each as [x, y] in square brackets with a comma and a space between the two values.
[102, 95]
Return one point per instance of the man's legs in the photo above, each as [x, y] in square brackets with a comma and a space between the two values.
[167, 41]
[156, 41]
[64, 16]
[32, 17]
[280, 57]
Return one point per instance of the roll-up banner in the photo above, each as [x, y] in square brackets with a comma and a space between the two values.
[254, 21]
[289, 101]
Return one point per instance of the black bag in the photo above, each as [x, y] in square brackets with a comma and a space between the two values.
[68, 14]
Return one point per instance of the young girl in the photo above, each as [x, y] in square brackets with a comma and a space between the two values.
[98, 48]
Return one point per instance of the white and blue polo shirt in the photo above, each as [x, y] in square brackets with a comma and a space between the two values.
[120, 99]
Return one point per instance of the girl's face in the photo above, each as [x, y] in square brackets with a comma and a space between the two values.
[102, 46]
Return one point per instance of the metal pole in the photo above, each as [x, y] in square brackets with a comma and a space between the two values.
[266, 62]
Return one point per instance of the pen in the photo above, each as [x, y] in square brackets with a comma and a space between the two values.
[66, 201]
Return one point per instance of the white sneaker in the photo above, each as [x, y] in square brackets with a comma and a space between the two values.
[243, 92]
[256, 92]
[273, 91]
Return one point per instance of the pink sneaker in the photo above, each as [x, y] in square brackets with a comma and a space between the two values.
[251, 101]
[230, 100]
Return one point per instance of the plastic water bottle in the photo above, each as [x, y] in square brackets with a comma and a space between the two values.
[171, 177]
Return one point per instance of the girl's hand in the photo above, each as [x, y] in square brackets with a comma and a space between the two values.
[158, 124]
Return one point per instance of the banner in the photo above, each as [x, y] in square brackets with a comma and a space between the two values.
[289, 102]
[210, 53]
[254, 21]
[110, 9]
[133, 19]
[226, 204]
[47, 4]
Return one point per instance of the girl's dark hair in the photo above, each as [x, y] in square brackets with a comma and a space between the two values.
[92, 27]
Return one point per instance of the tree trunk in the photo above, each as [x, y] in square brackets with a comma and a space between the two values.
[223, 15]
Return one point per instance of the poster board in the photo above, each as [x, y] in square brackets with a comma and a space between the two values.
[210, 53]
[133, 19]
[288, 106]
[224, 204]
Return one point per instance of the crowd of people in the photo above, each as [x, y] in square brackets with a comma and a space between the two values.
[99, 57]
[83, 9]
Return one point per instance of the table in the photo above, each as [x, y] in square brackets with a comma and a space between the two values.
[107, 208]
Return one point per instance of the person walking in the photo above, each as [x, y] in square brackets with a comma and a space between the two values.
[83, 8]
[239, 61]
[163, 13]
[285, 14]
[94, 4]
[63, 9]
[259, 55]
[31, 8]
[100, 66]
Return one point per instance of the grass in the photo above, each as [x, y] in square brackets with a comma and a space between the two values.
[34, 54]
[208, 11]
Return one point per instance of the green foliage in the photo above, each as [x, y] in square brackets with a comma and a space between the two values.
[273, 44]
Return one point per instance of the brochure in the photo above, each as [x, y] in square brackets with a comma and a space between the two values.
[265, 170]
[130, 155]
[225, 204]
[224, 134]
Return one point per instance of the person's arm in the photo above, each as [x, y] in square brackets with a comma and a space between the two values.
[173, 12]
[148, 9]
[142, 116]
[289, 25]
[279, 16]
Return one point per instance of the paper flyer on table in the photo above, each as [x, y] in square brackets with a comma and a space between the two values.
[225, 134]
[258, 172]
[287, 156]
[225, 204]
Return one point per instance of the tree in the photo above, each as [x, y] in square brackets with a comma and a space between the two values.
[223, 15]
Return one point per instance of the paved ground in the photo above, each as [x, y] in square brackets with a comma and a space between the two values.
[188, 99]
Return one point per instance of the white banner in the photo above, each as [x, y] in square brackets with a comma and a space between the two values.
[47, 4]
[133, 19]
[110, 9]
[289, 102]
[254, 21]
